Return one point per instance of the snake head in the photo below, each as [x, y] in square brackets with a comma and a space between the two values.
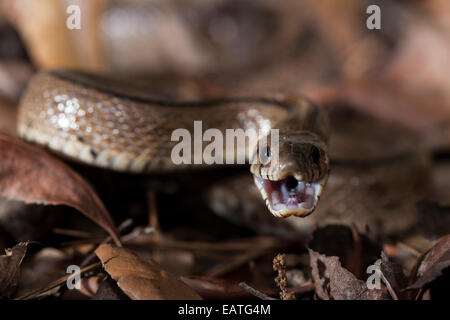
[292, 175]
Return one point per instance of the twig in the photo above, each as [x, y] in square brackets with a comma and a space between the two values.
[409, 249]
[74, 233]
[302, 289]
[36, 293]
[224, 268]
[389, 287]
[153, 220]
[243, 245]
[255, 292]
[92, 255]
[170, 244]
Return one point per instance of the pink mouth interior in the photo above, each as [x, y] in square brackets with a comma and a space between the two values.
[289, 194]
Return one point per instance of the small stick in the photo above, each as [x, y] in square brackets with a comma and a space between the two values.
[243, 245]
[56, 283]
[74, 233]
[153, 220]
[224, 268]
[255, 292]
[302, 289]
[92, 255]
[389, 287]
[409, 249]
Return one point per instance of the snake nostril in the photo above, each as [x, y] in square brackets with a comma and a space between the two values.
[291, 183]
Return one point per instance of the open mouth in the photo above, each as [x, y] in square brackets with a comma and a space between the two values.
[290, 196]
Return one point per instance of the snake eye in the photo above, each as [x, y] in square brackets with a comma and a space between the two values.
[315, 155]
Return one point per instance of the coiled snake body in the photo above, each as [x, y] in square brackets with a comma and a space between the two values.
[105, 124]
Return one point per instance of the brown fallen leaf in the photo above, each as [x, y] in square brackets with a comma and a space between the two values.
[333, 282]
[432, 264]
[31, 175]
[142, 280]
[10, 269]
[393, 277]
[355, 250]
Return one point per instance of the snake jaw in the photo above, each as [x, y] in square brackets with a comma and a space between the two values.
[290, 196]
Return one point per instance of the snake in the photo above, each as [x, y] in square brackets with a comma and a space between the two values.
[380, 171]
[112, 125]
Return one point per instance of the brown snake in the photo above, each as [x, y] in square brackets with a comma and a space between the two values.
[106, 124]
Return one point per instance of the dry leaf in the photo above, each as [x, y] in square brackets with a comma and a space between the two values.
[32, 175]
[433, 263]
[393, 276]
[142, 280]
[333, 282]
[10, 269]
[355, 250]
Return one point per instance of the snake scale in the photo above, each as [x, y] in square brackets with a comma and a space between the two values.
[107, 124]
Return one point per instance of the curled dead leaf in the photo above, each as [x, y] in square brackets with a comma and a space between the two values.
[10, 269]
[432, 264]
[142, 280]
[334, 282]
[393, 276]
[31, 175]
